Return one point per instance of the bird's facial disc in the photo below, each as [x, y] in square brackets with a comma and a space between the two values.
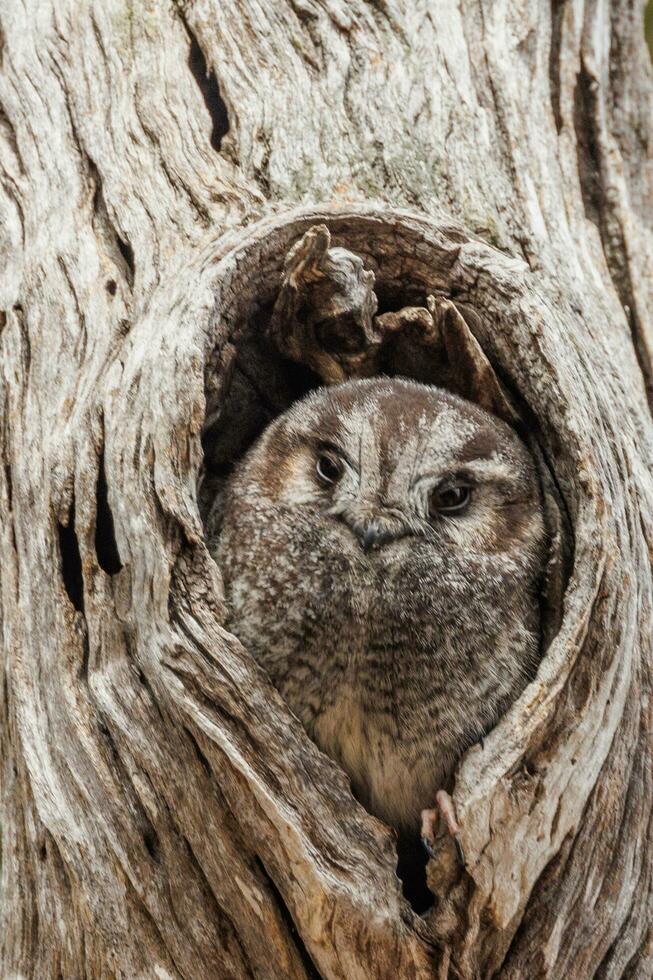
[413, 462]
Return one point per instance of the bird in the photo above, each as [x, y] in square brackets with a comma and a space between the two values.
[382, 546]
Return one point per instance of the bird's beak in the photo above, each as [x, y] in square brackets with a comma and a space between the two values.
[372, 535]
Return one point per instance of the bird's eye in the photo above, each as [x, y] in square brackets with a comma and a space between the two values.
[451, 499]
[328, 468]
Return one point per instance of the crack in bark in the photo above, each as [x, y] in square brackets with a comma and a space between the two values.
[86, 655]
[201, 758]
[603, 213]
[144, 826]
[207, 83]
[106, 548]
[557, 13]
[7, 469]
[9, 131]
[175, 180]
[293, 931]
[221, 918]
[84, 157]
[25, 345]
[155, 925]
[115, 245]
[82, 339]
[587, 148]
[127, 253]
[71, 562]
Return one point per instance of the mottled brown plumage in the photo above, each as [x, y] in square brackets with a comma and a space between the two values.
[397, 628]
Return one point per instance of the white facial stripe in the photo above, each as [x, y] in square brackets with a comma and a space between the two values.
[359, 430]
[494, 468]
[429, 449]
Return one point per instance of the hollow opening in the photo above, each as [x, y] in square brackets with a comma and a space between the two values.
[250, 381]
[209, 89]
[127, 253]
[105, 538]
[71, 562]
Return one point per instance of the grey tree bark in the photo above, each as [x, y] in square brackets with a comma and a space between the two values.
[163, 815]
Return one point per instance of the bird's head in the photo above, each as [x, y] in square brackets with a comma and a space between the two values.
[389, 460]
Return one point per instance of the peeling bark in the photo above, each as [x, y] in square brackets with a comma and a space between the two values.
[162, 812]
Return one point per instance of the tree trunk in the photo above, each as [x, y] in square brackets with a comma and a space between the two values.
[163, 813]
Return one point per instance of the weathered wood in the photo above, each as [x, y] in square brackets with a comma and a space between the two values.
[163, 814]
[323, 316]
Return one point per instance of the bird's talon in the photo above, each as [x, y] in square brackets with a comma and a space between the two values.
[446, 810]
[428, 847]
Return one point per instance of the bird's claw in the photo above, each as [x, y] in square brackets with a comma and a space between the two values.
[444, 809]
[426, 844]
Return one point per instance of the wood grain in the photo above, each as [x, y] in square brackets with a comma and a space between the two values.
[162, 813]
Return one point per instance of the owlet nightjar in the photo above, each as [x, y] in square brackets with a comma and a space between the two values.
[382, 545]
